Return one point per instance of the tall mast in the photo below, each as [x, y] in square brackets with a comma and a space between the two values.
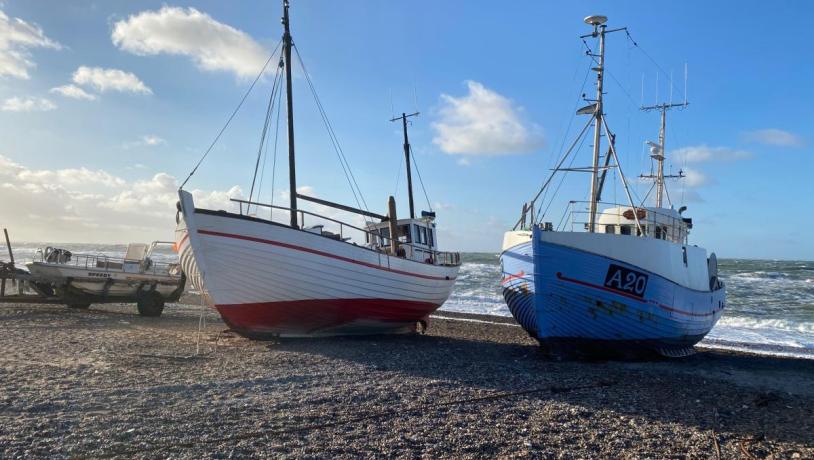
[292, 174]
[599, 29]
[658, 151]
[403, 119]
[660, 172]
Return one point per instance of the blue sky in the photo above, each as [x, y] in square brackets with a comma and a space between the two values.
[107, 105]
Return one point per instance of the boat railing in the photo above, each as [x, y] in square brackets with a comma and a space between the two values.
[101, 262]
[654, 224]
[346, 233]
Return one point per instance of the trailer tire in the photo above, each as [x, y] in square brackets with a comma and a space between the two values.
[79, 305]
[150, 305]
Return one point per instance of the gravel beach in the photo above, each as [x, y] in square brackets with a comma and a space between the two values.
[107, 383]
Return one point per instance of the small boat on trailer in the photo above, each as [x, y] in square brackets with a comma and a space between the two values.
[621, 281]
[83, 279]
[311, 274]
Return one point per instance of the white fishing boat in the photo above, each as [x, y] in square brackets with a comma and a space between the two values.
[312, 274]
[83, 279]
[620, 279]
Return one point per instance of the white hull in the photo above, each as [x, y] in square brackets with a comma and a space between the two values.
[270, 278]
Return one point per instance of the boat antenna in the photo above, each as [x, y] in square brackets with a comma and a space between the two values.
[292, 174]
[403, 118]
[600, 30]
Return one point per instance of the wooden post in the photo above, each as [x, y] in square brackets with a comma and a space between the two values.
[394, 239]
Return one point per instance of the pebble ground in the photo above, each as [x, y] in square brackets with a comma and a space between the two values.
[106, 383]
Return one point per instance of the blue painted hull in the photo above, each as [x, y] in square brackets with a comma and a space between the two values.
[569, 306]
[518, 285]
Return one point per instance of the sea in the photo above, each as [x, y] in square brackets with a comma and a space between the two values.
[770, 303]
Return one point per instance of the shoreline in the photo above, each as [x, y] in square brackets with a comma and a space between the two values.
[105, 382]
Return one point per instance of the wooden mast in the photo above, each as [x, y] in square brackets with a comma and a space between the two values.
[292, 175]
[403, 119]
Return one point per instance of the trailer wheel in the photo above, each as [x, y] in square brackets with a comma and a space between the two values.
[150, 304]
[79, 305]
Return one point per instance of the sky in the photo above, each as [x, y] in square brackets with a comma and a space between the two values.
[106, 106]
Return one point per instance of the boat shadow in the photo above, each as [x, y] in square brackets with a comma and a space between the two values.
[742, 397]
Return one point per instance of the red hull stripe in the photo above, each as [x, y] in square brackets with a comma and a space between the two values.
[319, 253]
[629, 296]
[316, 315]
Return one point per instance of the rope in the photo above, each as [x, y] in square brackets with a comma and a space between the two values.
[343, 161]
[274, 160]
[269, 111]
[420, 180]
[232, 116]
[265, 153]
[554, 389]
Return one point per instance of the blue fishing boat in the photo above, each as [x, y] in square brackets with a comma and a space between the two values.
[622, 279]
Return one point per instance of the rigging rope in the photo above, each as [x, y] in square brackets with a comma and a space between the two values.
[420, 180]
[269, 111]
[567, 131]
[232, 116]
[265, 150]
[343, 161]
[274, 158]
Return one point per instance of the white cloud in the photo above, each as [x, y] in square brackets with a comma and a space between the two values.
[212, 45]
[80, 204]
[153, 140]
[16, 38]
[73, 92]
[149, 140]
[27, 104]
[774, 136]
[104, 80]
[704, 153]
[484, 122]
[694, 178]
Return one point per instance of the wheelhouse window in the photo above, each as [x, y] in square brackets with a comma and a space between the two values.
[385, 235]
[610, 229]
[624, 229]
[658, 234]
[430, 232]
[404, 233]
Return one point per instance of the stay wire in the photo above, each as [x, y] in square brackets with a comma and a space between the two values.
[231, 117]
[420, 180]
[266, 148]
[269, 112]
[337, 147]
[568, 129]
[274, 158]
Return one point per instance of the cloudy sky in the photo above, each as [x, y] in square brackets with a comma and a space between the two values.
[105, 107]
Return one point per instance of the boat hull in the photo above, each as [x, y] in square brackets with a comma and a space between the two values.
[97, 285]
[270, 279]
[588, 302]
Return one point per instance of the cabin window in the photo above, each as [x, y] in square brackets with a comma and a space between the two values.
[658, 233]
[431, 237]
[404, 231]
[624, 229]
[420, 234]
[385, 233]
[610, 229]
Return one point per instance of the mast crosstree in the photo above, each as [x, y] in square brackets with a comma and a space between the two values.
[658, 151]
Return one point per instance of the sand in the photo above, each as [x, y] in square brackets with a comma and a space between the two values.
[108, 383]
